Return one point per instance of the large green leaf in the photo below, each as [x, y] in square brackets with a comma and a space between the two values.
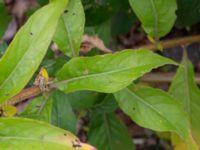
[154, 109]
[157, 16]
[108, 133]
[39, 109]
[62, 113]
[107, 73]
[4, 19]
[70, 28]
[28, 48]
[184, 88]
[188, 12]
[23, 134]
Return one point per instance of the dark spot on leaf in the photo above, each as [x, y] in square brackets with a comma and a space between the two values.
[31, 33]
[65, 134]
[76, 145]
[66, 11]
[37, 106]
[134, 108]
[6, 94]
[73, 14]
[76, 140]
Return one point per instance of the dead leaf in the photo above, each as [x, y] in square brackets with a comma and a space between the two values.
[89, 42]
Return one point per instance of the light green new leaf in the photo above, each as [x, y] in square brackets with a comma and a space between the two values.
[62, 113]
[39, 109]
[154, 109]
[23, 134]
[157, 16]
[28, 48]
[108, 133]
[184, 88]
[70, 29]
[107, 73]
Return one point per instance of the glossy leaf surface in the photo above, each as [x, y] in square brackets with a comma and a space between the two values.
[107, 73]
[154, 109]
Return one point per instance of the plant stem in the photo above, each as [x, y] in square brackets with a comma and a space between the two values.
[173, 43]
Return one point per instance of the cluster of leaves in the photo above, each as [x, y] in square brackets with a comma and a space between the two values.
[96, 85]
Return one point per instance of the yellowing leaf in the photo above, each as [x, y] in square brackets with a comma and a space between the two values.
[24, 134]
[8, 111]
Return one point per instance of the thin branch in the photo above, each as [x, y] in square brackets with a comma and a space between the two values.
[173, 43]
[23, 95]
[163, 78]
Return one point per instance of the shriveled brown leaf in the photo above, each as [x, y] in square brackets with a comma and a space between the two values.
[89, 42]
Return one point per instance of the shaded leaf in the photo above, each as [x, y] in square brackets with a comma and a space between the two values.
[28, 48]
[83, 99]
[4, 20]
[107, 73]
[188, 12]
[62, 113]
[99, 11]
[70, 29]
[108, 133]
[157, 16]
[107, 105]
[39, 108]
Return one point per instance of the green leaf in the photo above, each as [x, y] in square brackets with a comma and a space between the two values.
[107, 73]
[28, 48]
[3, 46]
[39, 109]
[154, 109]
[70, 29]
[4, 20]
[188, 12]
[108, 133]
[185, 89]
[157, 16]
[62, 113]
[42, 2]
[99, 11]
[107, 105]
[83, 99]
[26, 134]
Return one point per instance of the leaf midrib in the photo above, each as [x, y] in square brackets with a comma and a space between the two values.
[156, 30]
[67, 29]
[104, 73]
[108, 131]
